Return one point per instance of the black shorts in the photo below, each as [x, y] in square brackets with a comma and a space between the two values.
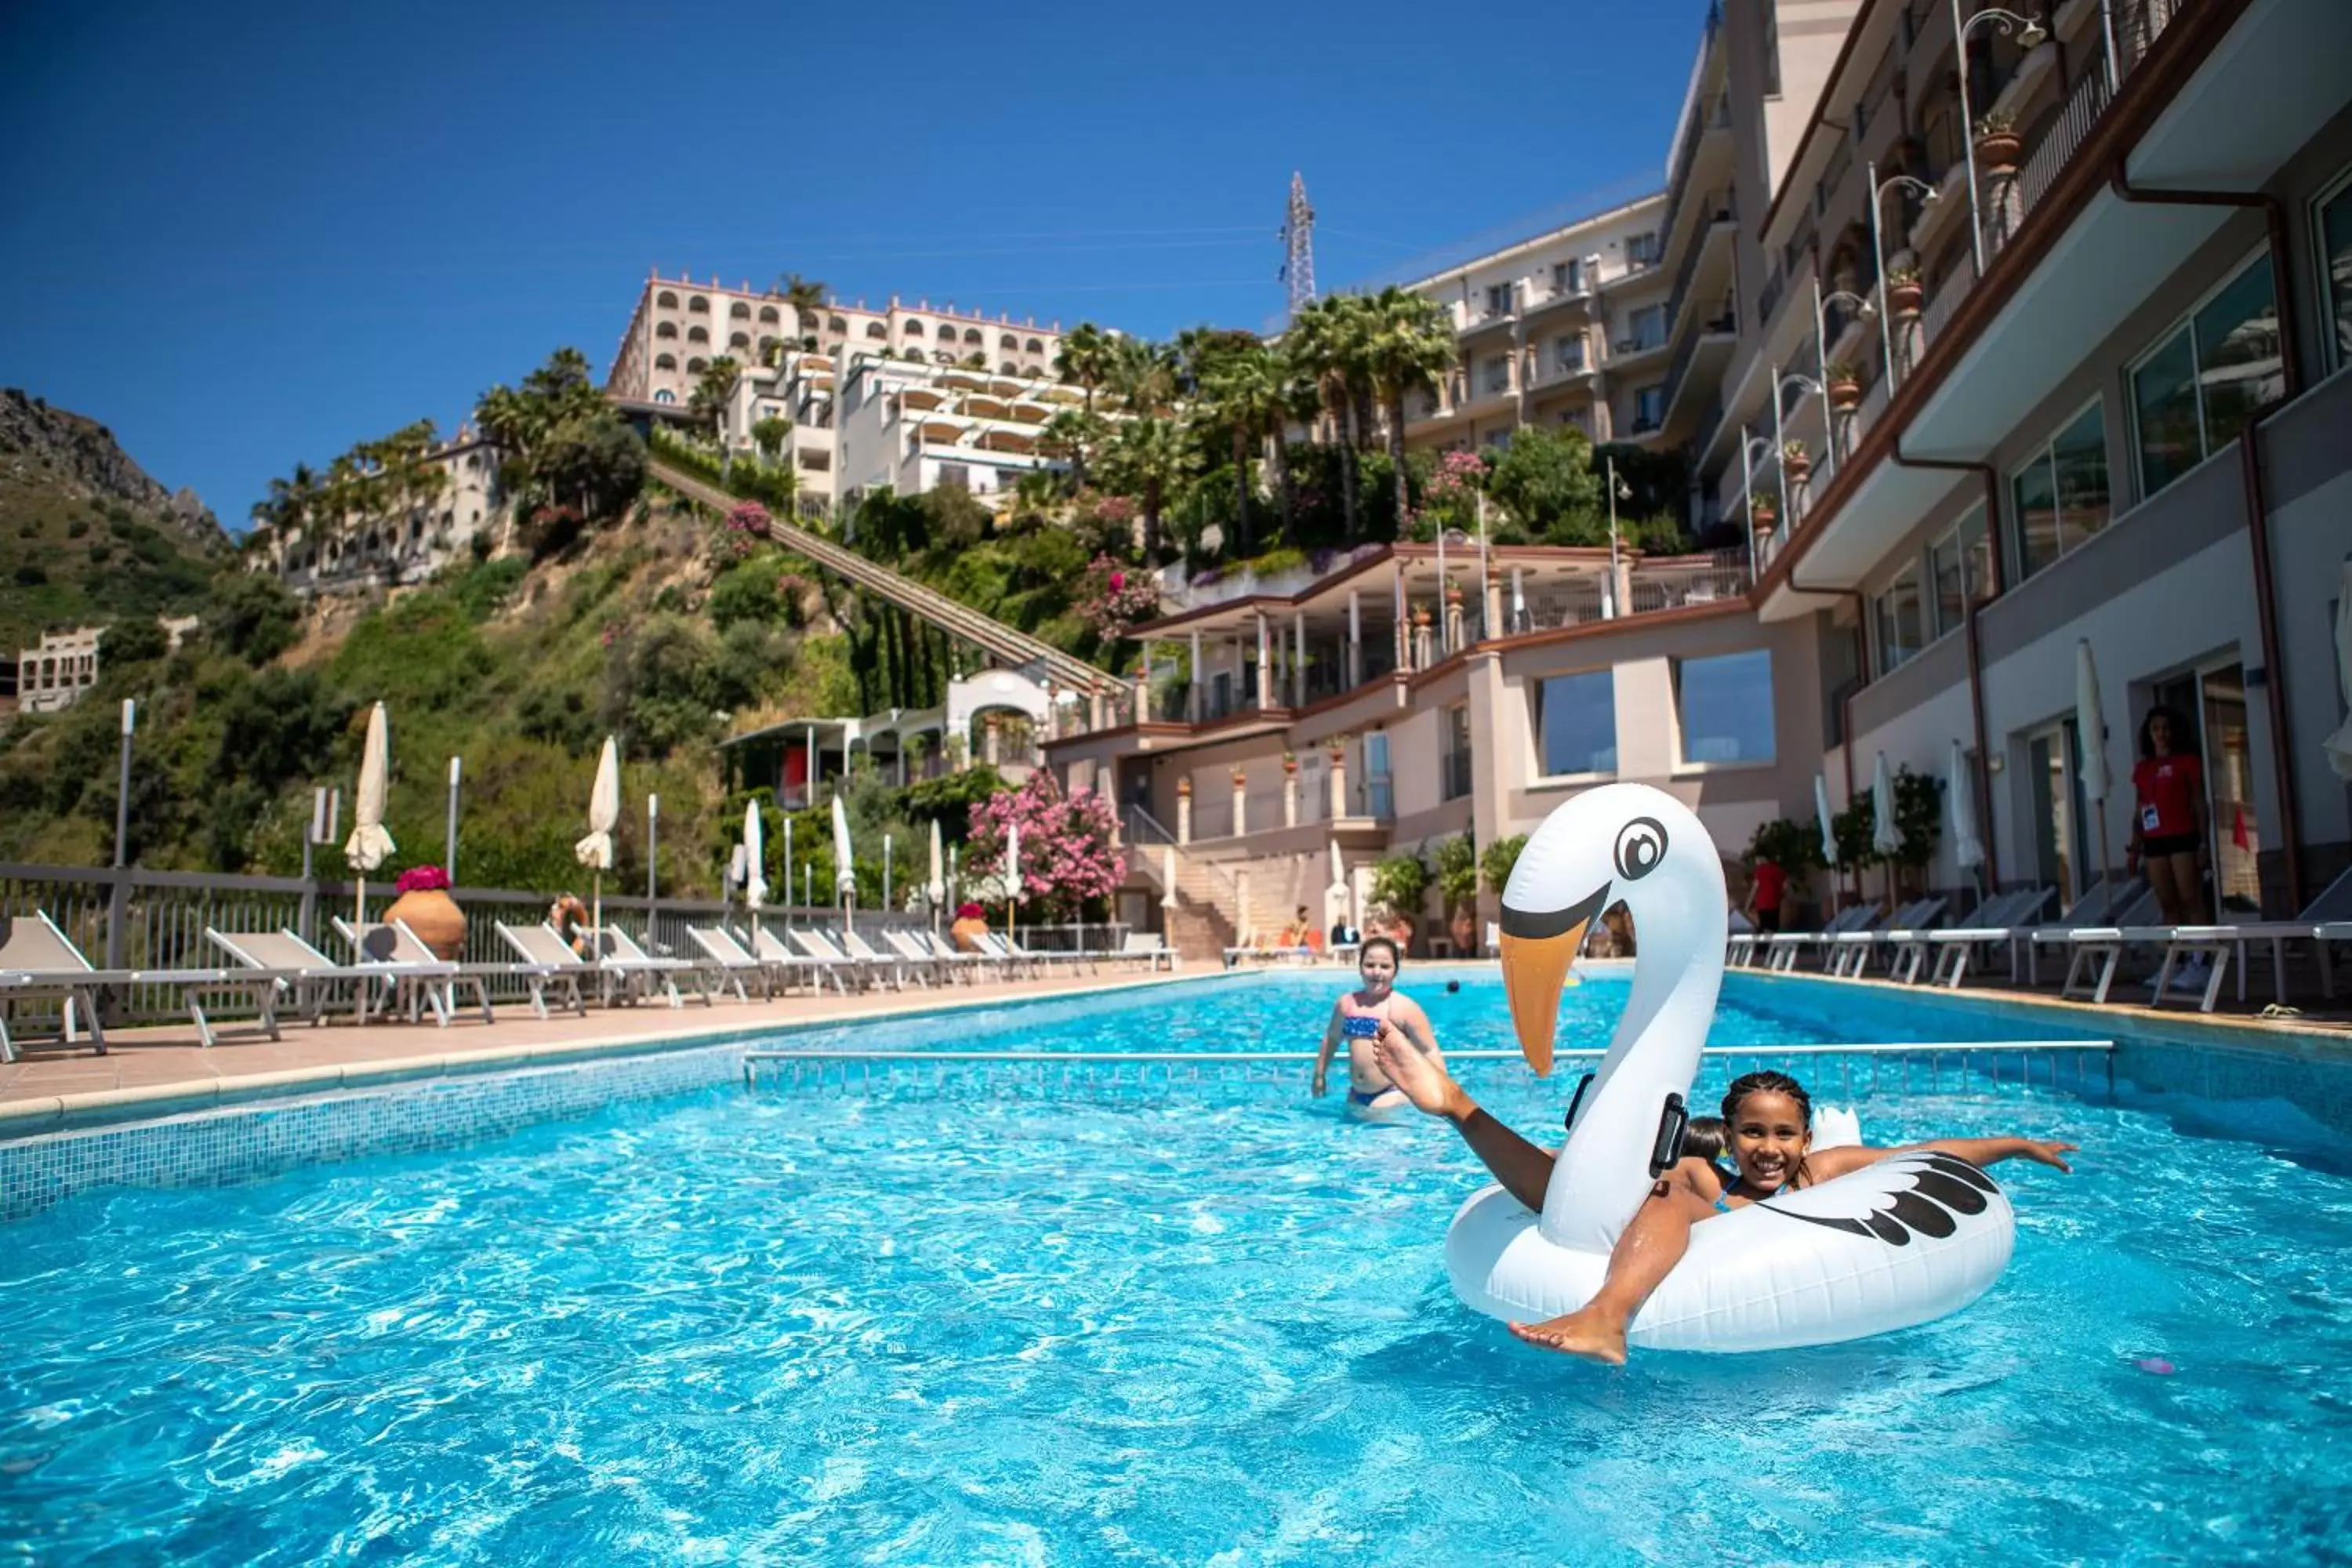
[1767, 920]
[2156, 844]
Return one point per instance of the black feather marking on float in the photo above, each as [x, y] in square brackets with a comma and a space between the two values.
[1950, 1192]
[1953, 1166]
[1940, 1185]
[1534, 925]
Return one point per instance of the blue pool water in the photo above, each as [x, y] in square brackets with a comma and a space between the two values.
[952, 1316]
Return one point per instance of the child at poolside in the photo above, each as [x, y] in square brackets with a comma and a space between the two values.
[1360, 1014]
[1769, 1118]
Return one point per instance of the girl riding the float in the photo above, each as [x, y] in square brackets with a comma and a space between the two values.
[1769, 1118]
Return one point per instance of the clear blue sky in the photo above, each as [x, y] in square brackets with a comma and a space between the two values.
[248, 235]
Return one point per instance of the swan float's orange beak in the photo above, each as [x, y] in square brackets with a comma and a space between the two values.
[1539, 946]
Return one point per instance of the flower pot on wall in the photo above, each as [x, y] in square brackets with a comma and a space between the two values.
[435, 919]
[1998, 151]
[1845, 396]
[1905, 298]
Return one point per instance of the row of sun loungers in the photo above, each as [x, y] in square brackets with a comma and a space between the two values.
[393, 973]
[2093, 937]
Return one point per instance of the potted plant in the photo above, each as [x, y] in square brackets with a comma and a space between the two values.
[1844, 384]
[1795, 463]
[1398, 884]
[1457, 889]
[1240, 777]
[1500, 861]
[1290, 762]
[1997, 143]
[1337, 750]
[1905, 292]
[426, 905]
[1763, 513]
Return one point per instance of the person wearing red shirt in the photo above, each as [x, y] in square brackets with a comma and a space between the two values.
[2168, 833]
[1768, 885]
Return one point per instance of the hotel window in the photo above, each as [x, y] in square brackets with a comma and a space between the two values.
[1960, 569]
[1455, 781]
[1897, 619]
[2332, 229]
[1723, 708]
[1642, 249]
[1649, 407]
[2060, 497]
[1568, 276]
[1497, 374]
[1649, 326]
[1498, 299]
[1567, 353]
[1576, 723]
[1771, 48]
[2191, 395]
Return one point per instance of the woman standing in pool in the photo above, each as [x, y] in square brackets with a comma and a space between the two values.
[1357, 1017]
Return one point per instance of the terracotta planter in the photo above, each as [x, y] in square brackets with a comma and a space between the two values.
[1798, 469]
[1904, 298]
[1845, 396]
[1998, 151]
[1290, 766]
[435, 919]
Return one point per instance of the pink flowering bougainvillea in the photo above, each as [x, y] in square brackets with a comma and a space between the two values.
[1067, 857]
[423, 880]
[1114, 598]
[747, 525]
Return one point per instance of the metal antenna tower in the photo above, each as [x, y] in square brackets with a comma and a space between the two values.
[1298, 246]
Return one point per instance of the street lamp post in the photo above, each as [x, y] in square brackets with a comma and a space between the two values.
[1747, 444]
[2029, 33]
[1863, 309]
[1878, 189]
[1618, 490]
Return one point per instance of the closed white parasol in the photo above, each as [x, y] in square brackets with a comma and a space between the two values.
[369, 844]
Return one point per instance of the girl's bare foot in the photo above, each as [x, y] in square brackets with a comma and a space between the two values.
[1588, 1333]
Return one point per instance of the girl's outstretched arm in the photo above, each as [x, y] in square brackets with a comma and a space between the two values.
[1831, 1163]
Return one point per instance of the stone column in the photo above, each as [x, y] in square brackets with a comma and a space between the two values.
[1053, 713]
[1298, 658]
[1491, 606]
[1192, 698]
[1403, 626]
[1453, 617]
[1289, 791]
[1143, 692]
[1519, 599]
[991, 747]
[1265, 664]
[1421, 638]
[1622, 587]
[1242, 926]
[811, 784]
[1355, 638]
[1337, 754]
[1184, 809]
[1241, 803]
[1095, 708]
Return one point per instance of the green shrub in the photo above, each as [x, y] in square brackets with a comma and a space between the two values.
[1458, 870]
[1399, 882]
[1496, 864]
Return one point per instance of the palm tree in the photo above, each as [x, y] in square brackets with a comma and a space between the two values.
[1325, 342]
[1148, 458]
[709, 394]
[1085, 358]
[1408, 343]
[1244, 394]
[805, 295]
[1142, 376]
[1075, 436]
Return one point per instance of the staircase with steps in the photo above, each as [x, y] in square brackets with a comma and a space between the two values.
[1015, 648]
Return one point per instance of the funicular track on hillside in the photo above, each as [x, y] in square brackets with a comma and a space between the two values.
[1015, 648]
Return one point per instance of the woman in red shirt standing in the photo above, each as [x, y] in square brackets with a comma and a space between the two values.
[1764, 894]
[2169, 824]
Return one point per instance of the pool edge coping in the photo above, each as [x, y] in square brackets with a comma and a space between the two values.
[33, 1116]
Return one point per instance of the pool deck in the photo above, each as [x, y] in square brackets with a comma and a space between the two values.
[161, 1070]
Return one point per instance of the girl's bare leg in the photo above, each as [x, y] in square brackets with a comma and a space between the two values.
[2188, 888]
[2163, 877]
[1644, 1255]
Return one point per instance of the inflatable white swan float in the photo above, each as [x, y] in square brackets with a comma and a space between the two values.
[1895, 1244]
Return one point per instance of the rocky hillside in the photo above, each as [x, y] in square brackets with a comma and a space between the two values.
[86, 535]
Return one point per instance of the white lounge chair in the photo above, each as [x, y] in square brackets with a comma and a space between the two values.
[979, 961]
[543, 945]
[40, 962]
[1151, 949]
[2094, 951]
[893, 962]
[940, 966]
[736, 963]
[772, 949]
[417, 973]
[1998, 920]
[1785, 947]
[1850, 952]
[820, 945]
[619, 954]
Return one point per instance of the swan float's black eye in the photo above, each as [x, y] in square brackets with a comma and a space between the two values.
[1640, 844]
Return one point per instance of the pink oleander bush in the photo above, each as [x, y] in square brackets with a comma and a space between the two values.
[1067, 857]
[1115, 597]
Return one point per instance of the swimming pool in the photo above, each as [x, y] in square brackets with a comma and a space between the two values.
[946, 1319]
